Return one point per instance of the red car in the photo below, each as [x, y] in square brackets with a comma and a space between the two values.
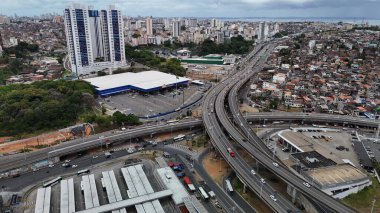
[232, 153]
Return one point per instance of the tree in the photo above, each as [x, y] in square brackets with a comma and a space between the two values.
[167, 44]
[42, 106]
[119, 118]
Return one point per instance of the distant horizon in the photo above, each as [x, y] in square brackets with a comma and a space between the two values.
[367, 9]
[218, 17]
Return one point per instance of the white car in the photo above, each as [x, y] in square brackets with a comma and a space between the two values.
[306, 184]
[253, 172]
[51, 165]
[95, 156]
[74, 166]
[273, 198]
[67, 161]
[262, 180]
[275, 164]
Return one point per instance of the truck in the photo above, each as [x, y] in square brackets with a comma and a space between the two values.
[232, 153]
[189, 184]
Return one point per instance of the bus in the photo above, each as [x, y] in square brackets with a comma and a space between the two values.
[229, 187]
[51, 182]
[171, 121]
[203, 193]
[103, 184]
[179, 137]
[84, 171]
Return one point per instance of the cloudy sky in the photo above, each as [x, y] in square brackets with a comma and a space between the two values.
[209, 8]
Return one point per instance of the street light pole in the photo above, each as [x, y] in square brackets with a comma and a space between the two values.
[373, 205]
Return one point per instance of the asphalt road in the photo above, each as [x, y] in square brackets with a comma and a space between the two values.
[257, 148]
[230, 203]
[8, 163]
[221, 142]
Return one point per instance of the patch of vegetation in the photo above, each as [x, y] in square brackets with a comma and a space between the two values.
[41, 146]
[148, 58]
[363, 199]
[131, 69]
[21, 50]
[238, 185]
[41, 106]
[116, 120]
[14, 66]
[281, 34]
[237, 46]
[25, 150]
[201, 141]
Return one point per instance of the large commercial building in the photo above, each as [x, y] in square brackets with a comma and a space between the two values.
[95, 39]
[319, 166]
[143, 82]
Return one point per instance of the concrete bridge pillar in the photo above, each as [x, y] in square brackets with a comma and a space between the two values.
[292, 191]
[244, 185]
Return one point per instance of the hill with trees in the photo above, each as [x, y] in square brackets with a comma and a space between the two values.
[42, 106]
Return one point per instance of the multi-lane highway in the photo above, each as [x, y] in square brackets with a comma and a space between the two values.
[16, 161]
[314, 117]
[255, 147]
[240, 166]
[260, 152]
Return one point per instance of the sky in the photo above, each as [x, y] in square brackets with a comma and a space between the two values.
[368, 9]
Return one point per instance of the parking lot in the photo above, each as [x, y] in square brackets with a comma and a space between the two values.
[372, 147]
[327, 143]
[153, 103]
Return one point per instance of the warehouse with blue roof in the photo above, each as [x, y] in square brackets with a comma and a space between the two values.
[147, 81]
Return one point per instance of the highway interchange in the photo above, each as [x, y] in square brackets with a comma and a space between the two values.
[220, 140]
[217, 122]
[255, 147]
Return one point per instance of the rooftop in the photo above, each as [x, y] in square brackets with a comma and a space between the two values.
[169, 178]
[313, 159]
[142, 80]
[298, 140]
[336, 175]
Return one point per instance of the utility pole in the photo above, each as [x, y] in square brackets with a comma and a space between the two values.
[373, 205]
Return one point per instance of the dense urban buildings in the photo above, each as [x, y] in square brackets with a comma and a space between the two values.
[95, 39]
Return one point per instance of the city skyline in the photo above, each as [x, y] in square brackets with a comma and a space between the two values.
[366, 9]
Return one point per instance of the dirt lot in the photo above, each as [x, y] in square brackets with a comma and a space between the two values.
[246, 108]
[34, 143]
[215, 167]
